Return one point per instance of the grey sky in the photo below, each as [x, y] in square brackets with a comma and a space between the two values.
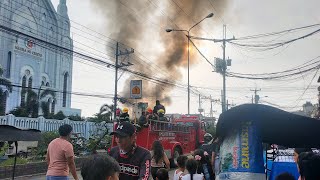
[245, 17]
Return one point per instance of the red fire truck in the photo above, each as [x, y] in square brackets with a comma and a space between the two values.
[180, 136]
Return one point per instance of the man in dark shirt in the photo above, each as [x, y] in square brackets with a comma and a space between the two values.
[210, 147]
[158, 106]
[134, 161]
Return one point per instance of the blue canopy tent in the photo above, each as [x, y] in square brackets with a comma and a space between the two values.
[266, 125]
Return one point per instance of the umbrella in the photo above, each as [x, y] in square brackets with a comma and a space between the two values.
[11, 133]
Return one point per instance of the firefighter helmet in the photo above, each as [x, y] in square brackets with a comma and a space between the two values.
[125, 110]
[149, 110]
[160, 111]
[207, 138]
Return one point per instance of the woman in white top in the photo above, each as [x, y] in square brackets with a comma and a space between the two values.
[159, 158]
[192, 167]
[181, 163]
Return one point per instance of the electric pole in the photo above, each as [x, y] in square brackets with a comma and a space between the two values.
[256, 96]
[117, 66]
[221, 65]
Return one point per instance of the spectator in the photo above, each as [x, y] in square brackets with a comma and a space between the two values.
[204, 166]
[296, 153]
[309, 166]
[162, 174]
[60, 156]
[159, 158]
[181, 163]
[157, 107]
[191, 166]
[134, 160]
[100, 167]
[210, 147]
[285, 176]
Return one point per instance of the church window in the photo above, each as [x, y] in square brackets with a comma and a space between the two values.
[9, 64]
[53, 106]
[30, 82]
[23, 93]
[3, 98]
[65, 84]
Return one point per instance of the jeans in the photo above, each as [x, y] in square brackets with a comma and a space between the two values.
[57, 178]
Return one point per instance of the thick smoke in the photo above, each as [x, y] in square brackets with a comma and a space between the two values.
[130, 22]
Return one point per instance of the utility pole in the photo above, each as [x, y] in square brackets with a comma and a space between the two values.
[200, 109]
[211, 104]
[256, 96]
[221, 65]
[117, 66]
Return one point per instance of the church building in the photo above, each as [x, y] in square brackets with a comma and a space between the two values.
[28, 65]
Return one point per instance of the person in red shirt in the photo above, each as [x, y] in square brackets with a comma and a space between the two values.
[60, 156]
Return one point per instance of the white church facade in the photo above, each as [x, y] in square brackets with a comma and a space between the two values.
[27, 64]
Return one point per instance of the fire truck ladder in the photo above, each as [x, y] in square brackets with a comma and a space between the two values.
[160, 126]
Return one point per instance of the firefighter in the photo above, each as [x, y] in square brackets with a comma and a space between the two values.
[210, 146]
[150, 115]
[124, 116]
[143, 121]
[158, 106]
[118, 113]
[161, 115]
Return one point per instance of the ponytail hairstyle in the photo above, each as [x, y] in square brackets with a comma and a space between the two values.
[192, 166]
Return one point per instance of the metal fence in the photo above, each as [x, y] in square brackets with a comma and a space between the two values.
[84, 128]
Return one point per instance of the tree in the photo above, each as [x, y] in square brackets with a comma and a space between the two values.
[33, 102]
[105, 114]
[7, 84]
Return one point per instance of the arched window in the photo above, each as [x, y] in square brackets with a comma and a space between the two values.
[9, 64]
[65, 87]
[23, 93]
[30, 82]
[48, 84]
[3, 98]
[53, 106]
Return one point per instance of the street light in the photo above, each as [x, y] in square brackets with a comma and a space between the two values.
[188, 31]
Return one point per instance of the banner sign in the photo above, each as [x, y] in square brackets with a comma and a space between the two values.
[136, 89]
[241, 154]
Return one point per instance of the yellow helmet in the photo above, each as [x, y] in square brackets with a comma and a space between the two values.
[125, 110]
[161, 111]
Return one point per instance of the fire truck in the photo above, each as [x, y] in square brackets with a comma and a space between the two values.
[180, 136]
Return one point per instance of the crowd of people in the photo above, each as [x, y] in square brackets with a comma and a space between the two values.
[128, 161]
[157, 114]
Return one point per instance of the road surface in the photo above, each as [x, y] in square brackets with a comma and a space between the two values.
[43, 177]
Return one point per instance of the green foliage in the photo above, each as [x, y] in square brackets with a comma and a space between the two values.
[19, 112]
[94, 143]
[76, 118]
[10, 162]
[59, 116]
[4, 146]
[105, 114]
[46, 138]
[211, 129]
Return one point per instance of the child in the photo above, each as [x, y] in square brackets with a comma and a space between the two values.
[192, 166]
[100, 167]
[181, 162]
[162, 174]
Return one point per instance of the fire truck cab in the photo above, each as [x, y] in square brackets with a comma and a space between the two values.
[180, 136]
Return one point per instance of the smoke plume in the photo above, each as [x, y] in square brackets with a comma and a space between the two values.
[141, 24]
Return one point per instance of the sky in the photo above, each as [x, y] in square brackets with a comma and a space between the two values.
[90, 20]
